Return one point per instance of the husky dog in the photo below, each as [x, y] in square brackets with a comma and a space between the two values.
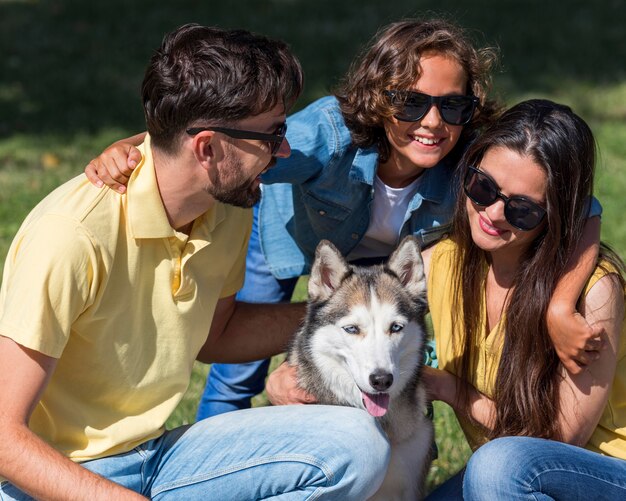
[362, 344]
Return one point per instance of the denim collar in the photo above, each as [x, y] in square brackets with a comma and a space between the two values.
[364, 165]
[434, 182]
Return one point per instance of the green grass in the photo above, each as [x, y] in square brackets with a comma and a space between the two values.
[71, 70]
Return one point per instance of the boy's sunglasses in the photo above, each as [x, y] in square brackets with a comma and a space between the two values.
[455, 110]
[275, 139]
[518, 211]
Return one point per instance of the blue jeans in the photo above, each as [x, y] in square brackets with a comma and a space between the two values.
[525, 468]
[230, 387]
[283, 453]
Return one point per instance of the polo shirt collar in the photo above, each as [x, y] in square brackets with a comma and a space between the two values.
[146, 214]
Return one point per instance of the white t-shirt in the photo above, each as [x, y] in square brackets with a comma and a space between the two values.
[389, 210]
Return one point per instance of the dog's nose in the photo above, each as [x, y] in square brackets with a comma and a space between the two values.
[380, 380]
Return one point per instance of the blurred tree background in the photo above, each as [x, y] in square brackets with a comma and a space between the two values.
[72, 67]
[70, 70]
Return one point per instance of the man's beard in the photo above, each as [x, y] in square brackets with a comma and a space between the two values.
[244, 195]
[236, 190]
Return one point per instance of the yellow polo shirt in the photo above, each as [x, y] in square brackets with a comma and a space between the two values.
[608, 438]
[102, 282]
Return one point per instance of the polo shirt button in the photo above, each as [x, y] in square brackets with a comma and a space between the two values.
[322, 212]
[355, 236]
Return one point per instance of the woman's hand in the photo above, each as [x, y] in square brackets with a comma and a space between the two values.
[282, 387]
[440, 385]
[115, 164]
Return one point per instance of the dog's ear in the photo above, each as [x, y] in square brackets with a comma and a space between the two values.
[406, 262]
[329, 269]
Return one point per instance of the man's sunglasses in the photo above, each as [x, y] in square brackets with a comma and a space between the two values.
[455, 110]
[275, 139]
[519, 212]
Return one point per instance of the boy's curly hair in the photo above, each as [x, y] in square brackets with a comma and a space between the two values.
[392, 61]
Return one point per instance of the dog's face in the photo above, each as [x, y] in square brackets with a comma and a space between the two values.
[367, 324]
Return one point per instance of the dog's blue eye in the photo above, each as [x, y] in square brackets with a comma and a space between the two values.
[351, 329]
[395, 327]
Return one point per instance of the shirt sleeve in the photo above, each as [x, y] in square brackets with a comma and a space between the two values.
[595, 207]
[48, 282]
[314, 138]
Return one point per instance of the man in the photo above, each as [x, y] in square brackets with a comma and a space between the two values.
[107, 300]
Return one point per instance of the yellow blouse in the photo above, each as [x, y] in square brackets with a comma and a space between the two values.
[608, 438]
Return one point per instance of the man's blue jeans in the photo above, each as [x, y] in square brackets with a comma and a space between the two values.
[525, 468]
[284, 453]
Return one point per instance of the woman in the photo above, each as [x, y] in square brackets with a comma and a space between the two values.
[369, 165]
[527, 180]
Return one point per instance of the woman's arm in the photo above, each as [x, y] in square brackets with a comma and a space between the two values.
[426, 258]
[444, 386]
[576, 342]
[115, 164]
[282, 387]
[584, 395]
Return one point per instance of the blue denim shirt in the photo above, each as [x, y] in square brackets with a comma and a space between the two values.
[324, 190]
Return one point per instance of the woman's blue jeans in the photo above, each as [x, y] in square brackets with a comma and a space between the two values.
[285, 453]
[525, 468]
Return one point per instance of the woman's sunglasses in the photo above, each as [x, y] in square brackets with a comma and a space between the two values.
[274, 139]
[518, 211]
[413, 106]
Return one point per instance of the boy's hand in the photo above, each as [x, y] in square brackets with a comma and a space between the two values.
[114, 165]
[282, 387]
[576, 342]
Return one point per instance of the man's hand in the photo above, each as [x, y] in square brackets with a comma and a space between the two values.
[282, 387]
[576, 342]
[114, 165]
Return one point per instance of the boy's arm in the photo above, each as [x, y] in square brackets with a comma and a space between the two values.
[115, 164]
[27, 461]
[575, 341]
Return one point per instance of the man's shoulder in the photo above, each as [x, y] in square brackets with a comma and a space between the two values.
[75, 204]
[76, 198]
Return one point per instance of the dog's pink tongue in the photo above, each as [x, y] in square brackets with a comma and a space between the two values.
[376, 404]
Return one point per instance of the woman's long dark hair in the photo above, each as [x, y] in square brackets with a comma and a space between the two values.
[392, 61]
[526, 390]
